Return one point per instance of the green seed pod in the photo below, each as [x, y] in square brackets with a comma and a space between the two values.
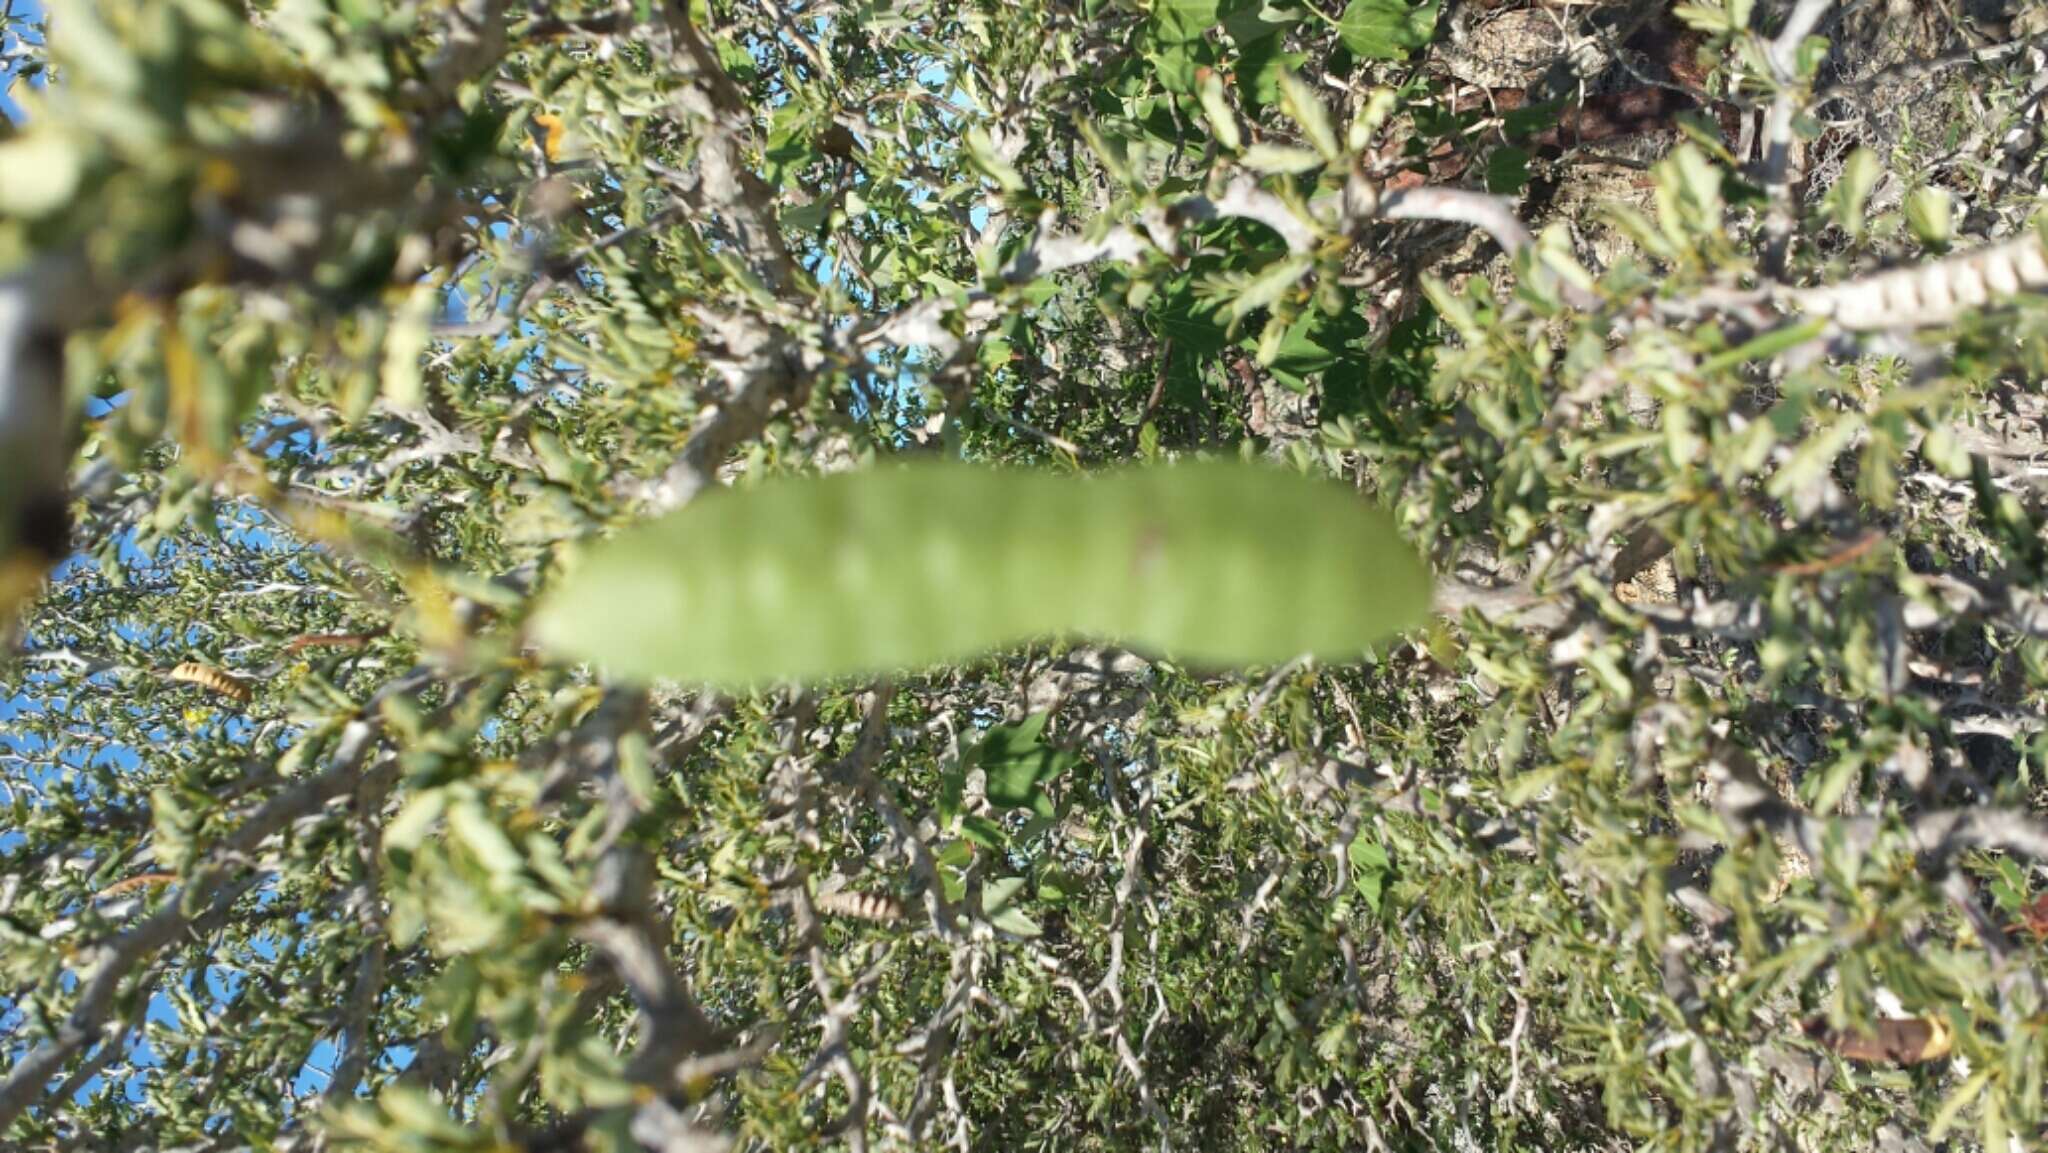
[900, 567]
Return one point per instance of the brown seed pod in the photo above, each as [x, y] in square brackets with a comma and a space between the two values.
[861, 906]
[213, 680]
[2033, 918]
[329, 641]
[1897, 1041]
[139, 881]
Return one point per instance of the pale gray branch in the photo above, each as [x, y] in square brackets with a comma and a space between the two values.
[633, 938]
[1490, 214]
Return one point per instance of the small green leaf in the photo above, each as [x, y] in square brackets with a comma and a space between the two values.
[984, 832]
[1764, 346]
[1370, 866]
[407, 831]
[1824, 791]
[1531, 118]
[472, 826]
[1217, 111]
[1507, 171]
[1846, 199]
[1707, 18]
[636, 766]
[1280, 160]
[1269, 286]
[1378, 107]
[1014, 922]
[1528, 786]
[1930, 213]
[1260, 64]
[1305, 108]
[1176, 65]
[806, 217]
[1018, 765]
[1812, 52]
[1386, 29]
[999, 893]
[43, 172]
[789, 147]
[1178, 21]
[1315, 342]
[999, 905]
[173, 822]
[2009, 886]
[983, 152]
[405, 346]
[1951, 1110]
[415, 1110]
[1056, 886]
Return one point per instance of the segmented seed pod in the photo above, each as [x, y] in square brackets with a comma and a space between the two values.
[860, 906]
[213, 680]
[1933, 293]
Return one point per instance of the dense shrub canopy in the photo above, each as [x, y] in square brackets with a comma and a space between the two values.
[1695, 348]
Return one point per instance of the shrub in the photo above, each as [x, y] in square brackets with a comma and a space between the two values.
[1695, 348]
